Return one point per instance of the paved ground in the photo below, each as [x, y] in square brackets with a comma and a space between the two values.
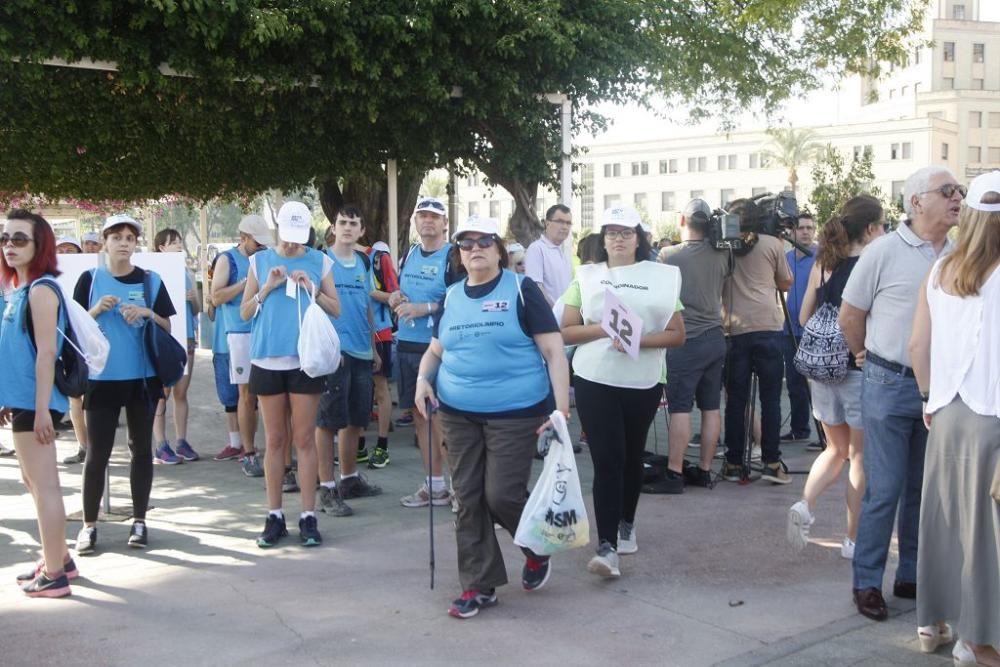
[713, 582]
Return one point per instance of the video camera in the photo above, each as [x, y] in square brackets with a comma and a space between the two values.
[776, 215]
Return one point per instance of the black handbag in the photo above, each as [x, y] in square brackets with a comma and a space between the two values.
[71, 372]
[169, 358]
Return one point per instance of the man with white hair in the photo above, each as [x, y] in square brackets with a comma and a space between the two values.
[876, 316]
[545, 262]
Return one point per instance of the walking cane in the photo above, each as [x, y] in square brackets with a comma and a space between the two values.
[428, 410]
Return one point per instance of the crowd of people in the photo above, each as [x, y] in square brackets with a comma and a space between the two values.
[620, 330]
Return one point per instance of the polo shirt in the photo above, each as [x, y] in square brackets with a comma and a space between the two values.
[546, 263]
[800, 267]
[885, 283]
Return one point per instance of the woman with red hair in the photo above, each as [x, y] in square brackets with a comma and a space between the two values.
[29, 345]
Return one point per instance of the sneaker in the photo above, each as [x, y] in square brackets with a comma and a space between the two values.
[43, 587]
[627, 543]
[535, 573]
[669, 483]
[251, 467]
[186, 451]
[847, 549]
[79, 457]
[815, 446]
[776, 473]
[755, 453]
[165, 455]
[799, 521]
[605, 563]
[577, 448]
[289, 485]
[138, 537]
[69, 569]
[422, 497]
[695, 476]
[731, 472]
[792, 436]
[362, 455]
[357, 487]
[86, 540]
[274, 530]
[331, 502]
[309, 532]
[405, 420]
[228, 453]
[7, 452]
[471, 602]
[379, 458]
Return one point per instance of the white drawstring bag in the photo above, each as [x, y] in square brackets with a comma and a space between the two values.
[319, 344]
[554, 518]
[94, 345]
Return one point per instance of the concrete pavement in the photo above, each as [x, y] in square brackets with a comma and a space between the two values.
[713, 581]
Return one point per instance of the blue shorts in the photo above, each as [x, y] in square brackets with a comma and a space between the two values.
[227, 392]
[347, 400]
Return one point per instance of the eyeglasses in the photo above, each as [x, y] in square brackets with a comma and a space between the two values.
[624, 234]
[948, 190]
[483, 242]
[561, 222]
[430, 204]
[18, 240]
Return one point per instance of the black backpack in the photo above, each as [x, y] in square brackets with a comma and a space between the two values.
[71, 373]
[169, 358]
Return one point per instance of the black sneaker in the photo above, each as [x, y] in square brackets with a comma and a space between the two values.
[43, 587]
[362, 455]
[69, 569]
[357, 487]
[274, 530]
[331, 502]
[535, 573]
[471, 602]
[289, 484]
[695, 476]
[79, 457]
[671, 483]
[792, 436]
[815, 446]
[138, 537]
[379, 458]
[309, 532]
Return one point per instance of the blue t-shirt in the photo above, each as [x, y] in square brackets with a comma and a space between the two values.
[800, 268]
[354, 284]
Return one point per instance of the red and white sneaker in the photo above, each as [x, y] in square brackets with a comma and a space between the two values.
[228, 454]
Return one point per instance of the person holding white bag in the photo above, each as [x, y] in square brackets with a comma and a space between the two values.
[278, 288]
[492, 320]
[617, 395]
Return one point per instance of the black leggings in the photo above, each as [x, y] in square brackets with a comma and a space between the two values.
[617, 422]
[101, 426]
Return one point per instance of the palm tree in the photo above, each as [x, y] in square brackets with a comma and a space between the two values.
[791, 148]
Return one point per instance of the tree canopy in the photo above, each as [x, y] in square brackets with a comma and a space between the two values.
[267, 94]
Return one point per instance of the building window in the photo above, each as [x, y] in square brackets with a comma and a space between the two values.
[723, 162]
[993, 153]
[949, 52]
[473, 180]
[640, 168]
[727, 162]
[859, 152]
[892, 93]
[975, 154]
[904, 91]
[994, 119]
[611, 200]
[897, 192]
[916, 56]
[754, 160]
[692, 164]
[977, 84]
[948, 83]
[495, 209]
[958, 12]
[473, 208]
[703, 164]
[639, 200]
[732, 161]
[758, 191]
[697, 164]
[672, 167]
[894, 152]
[975, 119]
[944, 151]
[612, 170]
[726, 195]
[907, 150]
[978, 53]
[663, 166]
[935, 114]
[667, 202]
[607, 170]
[697, 194]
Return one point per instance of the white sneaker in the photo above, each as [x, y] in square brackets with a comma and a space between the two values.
[799, 521]
[847, 549]
[933, 637]
[86, 540]
[605, 563]
[755, 453]
[422, 497]
[626, 538]
[963, 655]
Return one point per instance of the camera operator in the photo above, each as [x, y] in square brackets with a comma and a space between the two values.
[694, 370]
[754, 318]
[798, 389]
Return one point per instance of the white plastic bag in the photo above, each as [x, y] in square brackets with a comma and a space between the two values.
[319, 344]
[554, 518]
[94, 345]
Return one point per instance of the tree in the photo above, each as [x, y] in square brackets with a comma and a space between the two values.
[836, 181]
[282, 94]
[791, 148]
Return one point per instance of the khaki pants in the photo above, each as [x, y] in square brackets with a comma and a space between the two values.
[490, 462]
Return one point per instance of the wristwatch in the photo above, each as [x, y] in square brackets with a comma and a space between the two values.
[925, 396]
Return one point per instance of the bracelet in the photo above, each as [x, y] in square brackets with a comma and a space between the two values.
[424, 378]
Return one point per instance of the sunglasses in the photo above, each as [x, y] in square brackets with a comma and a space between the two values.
[18, 240]
[948, 190]
[624, 234]
[483, 242]
[430, 204]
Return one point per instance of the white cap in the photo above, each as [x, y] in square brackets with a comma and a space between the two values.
[121, 219]
[980, 185]
[515, 247]
[294, 222]
[432, 204]
[255, 226]
[68, 239]
[380, 246]
[625, 216]
[90, 236]
[476, 224]
[646, 228]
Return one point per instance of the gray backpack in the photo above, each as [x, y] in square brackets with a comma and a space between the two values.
[823, 354]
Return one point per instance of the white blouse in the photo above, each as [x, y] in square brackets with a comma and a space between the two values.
[965, 346]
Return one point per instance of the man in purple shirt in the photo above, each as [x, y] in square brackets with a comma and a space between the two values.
[545, 262]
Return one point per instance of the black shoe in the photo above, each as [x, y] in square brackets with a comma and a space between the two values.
[695, 476]
[535, 573]
[815, 446]
[289, 484]
[309, 532]
[870, 603]
[577, 448]
[905, 589]
[138, 537]
[357, 487]
[671, 483]
[792, 436]
[79, 457]
[274, 530]
[331, 502]
[362, 455]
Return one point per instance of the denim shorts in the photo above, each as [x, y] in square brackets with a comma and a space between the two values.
[835, 404]
[409, 364]
[694, 372]
[227, 392]
[347, 400]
